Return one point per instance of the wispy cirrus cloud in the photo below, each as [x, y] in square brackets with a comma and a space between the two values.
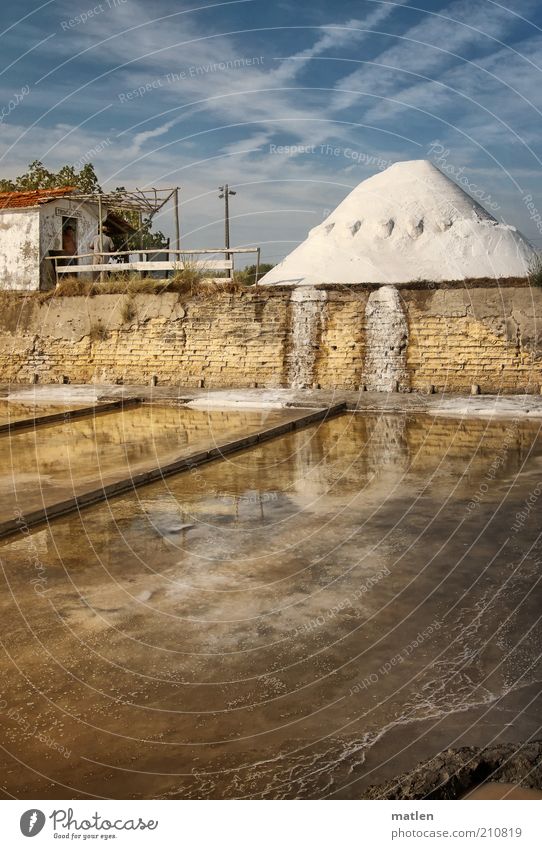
[202, 95]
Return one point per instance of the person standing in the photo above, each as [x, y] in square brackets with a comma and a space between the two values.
[99, 250]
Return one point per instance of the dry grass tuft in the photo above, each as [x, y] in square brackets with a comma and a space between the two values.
[205, 288]
[97, 332]
[190, 271]
[193, 280]
[128, 310]
[69, 286]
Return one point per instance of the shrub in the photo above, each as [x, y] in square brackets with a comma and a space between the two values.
[247, 276]
[191, 274]
[535, 272]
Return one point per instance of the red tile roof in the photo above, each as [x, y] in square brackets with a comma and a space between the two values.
[16, 200]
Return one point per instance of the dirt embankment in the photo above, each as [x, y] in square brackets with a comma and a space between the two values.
[455, 772]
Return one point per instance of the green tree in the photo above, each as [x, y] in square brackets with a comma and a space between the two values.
[39, 177]
[86, 179]
[248, 275]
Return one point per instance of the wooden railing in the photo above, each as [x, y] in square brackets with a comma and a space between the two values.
[177, 264]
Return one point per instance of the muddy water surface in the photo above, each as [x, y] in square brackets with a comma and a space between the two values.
[14, 411]
[48, 464]
[307, 618]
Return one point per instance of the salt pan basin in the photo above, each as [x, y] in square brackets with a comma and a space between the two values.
[304, 619]
[50, 464]
[14, 411]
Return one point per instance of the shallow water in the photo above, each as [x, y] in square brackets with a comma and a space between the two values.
[48, 464]
[14, 411]
[306, 618]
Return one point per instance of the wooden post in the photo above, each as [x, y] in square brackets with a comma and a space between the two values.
[100, 234]
[227, 256]
[177, 225]
[140, 239]
[257, 267]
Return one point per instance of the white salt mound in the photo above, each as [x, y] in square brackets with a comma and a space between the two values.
[407, 222]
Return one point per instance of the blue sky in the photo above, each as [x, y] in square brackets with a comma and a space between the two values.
[291, 103]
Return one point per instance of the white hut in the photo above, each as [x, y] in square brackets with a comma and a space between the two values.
[33, 226]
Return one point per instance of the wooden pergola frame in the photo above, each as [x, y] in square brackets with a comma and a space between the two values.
[143, 201]
[139, 200]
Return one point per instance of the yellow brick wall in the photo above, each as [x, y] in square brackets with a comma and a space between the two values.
[225, 340]
[457, 337]
[485, 337]
[342, 349]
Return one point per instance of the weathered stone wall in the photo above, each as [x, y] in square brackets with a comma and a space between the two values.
[489, 336]
[20, 249]
[341, 347]
[455, 336]
[225, 340]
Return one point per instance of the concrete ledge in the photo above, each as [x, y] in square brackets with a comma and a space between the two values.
[67, 415]
[24, 522]
[503, 405]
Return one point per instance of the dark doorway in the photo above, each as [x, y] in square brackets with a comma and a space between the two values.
[69, 239]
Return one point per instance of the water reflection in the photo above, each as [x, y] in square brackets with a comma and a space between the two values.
[14, 411]
[303, 619]
[49, 464]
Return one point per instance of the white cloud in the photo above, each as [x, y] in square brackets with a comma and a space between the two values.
[183, 130]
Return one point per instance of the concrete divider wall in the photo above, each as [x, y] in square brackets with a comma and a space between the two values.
[458, 334]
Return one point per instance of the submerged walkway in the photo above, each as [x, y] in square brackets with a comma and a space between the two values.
[14, 417]
[55, 470]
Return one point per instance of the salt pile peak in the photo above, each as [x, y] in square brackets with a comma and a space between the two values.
[408, 222]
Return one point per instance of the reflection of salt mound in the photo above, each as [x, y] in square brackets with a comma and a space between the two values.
[406, 223]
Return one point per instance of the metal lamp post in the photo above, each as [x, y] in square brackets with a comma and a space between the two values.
[225, 193]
